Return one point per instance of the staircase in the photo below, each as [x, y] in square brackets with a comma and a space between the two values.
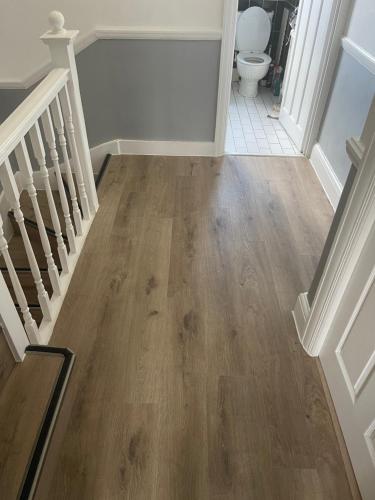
[48, 198]
[17, 249]
[19, 256]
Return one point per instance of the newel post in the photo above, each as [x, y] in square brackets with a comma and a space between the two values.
[60, 44]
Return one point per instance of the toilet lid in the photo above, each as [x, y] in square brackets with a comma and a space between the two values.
[253, 30]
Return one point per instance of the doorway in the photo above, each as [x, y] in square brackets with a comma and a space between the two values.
[253, 125]
[313, 48]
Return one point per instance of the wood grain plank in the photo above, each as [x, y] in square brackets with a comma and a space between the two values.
[190, 382]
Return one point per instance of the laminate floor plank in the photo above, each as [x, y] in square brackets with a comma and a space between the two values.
[24, 399]
[190, 382]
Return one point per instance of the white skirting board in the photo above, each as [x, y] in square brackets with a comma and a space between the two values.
[159, 148]
[301, 313]
[326, 175]
[98, 153]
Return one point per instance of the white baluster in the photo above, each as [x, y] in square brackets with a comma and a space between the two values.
[24, 164]
[30, 325]
[40, 155]
[50, 137]
[67, 112]
[60, 42]
[59, 124]
[12, 195]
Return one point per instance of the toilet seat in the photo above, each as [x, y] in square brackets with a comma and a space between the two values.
[253, 30]
[254, 58]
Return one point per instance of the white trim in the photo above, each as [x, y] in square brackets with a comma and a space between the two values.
[356, 150]
[317, 48]
[326, 175]
[352, 236]
[98, 153]
[370, 440]
[356, 388]
[361, 55]
[162, 148]
[225, 73]
[157, 33]
[166, 148]
[300, 314]
[336, 29]
[114, 32]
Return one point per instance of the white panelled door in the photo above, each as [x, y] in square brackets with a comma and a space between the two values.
[306, 67]
[348, 360]
[348, 352]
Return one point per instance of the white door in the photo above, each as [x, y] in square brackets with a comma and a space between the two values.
[307, 66]
[348, 360]
[348, 352]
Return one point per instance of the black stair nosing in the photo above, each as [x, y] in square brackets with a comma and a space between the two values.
[34, 225]
[27, 269]
[30, 306]
[102, 170]
[39, 452]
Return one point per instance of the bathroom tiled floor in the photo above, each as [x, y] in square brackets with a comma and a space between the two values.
[249, 129]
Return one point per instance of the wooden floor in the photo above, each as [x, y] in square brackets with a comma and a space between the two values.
[190, 382]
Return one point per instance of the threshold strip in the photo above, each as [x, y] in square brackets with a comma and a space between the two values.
[38, 455]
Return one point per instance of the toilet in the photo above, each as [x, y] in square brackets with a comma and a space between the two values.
[252, 36]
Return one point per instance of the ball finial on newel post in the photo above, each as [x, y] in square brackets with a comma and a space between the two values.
[56, 21]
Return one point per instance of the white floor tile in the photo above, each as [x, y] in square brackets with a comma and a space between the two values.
[269, 130]
[260, 134]
[250, 137]
[276, 149]
[237, 133]
[251, 131]
[257, 125]
[252, 148]
[285, 144]
[281, 134]
[272, 139]
[264, 151]
[289, 151]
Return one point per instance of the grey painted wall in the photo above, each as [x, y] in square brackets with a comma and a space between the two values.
[346, 112]
[144, 90]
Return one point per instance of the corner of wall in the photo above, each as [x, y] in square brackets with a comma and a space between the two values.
[326, 175]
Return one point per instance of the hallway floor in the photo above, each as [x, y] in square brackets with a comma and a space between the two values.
[250, 130]
[190, 382]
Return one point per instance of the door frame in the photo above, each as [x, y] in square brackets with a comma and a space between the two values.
[314, 323]
[327, 69]
[229, 24]
[336, 29]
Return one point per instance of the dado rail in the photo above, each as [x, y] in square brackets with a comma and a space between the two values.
[44, 155]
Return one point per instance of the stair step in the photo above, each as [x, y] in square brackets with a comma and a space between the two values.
[28, 210]
[28, 285]
[18, 253]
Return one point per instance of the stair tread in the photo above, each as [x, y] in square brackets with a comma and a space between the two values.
[28, 285]
[28, 211]
[18, 254]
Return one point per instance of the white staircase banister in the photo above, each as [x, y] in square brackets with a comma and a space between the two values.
[52, 112]
[60, 44]
[22, 119]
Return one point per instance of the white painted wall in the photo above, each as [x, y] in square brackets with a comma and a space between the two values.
[361, 26]
[352, 89]
[22, 22]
